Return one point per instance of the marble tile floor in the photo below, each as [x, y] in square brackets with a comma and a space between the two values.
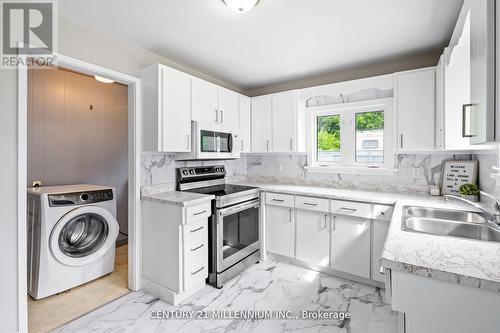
[265, 286]
[51, 312]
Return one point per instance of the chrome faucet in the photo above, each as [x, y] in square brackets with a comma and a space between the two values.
[495, 217]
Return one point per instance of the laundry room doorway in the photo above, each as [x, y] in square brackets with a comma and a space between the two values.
[79, 134]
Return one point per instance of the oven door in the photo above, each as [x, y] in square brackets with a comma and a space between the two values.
[237, 233]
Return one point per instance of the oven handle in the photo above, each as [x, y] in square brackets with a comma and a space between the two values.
[238, 208]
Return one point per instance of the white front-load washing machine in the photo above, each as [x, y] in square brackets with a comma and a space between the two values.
[72, 232]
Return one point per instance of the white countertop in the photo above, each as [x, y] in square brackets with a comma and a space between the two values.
[184, 199]
[458, 260]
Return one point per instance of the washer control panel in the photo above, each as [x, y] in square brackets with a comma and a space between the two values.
[80, 198]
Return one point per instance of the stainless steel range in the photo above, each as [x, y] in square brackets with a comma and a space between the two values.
[234, 224]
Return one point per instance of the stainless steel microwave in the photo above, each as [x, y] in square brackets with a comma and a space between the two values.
[211, 142]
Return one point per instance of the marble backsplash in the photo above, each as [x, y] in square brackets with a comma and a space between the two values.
[159, 169]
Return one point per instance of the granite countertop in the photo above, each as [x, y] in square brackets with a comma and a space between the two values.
[462, 261]
[184, 199]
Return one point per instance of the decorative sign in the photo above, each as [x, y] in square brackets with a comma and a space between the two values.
[457, 173]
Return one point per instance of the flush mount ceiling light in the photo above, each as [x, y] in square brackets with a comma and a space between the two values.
[241, 6]
[103, 79]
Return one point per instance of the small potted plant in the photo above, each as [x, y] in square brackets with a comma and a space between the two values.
[469, 192]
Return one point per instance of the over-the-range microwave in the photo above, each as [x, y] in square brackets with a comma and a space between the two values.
[211, 142]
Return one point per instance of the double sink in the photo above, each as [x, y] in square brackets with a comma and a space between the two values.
[446, 222]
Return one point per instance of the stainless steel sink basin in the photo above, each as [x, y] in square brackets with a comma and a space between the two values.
[444, 222]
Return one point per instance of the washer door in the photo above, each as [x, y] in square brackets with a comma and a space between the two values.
[83, 235]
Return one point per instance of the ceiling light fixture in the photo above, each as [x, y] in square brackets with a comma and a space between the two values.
[103, 79]
[241, 6]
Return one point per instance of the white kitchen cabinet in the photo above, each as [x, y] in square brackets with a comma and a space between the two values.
[415, 104]
[350, 245]
[228, 104]
[166, 114]
[284, 120]
[174, 249]
[440, 104]
[313, 237]
[280, 224]
[262, 124]
[204, 101]
[245, 123]
[379, 234]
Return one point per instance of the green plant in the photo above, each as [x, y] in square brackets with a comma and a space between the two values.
[469, 189]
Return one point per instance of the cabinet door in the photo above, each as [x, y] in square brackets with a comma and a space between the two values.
[380, 229]
[228, 108]
[457, 89]
[280, 230]
[313, 237]
[415, 91]
[261, 124]
[482, 73]
[284, 109]
[245, 121]
[350, 245]
[175, 111]
[204, 106]
[440, 105]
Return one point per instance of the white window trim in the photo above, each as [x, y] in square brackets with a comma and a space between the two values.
[347, 162]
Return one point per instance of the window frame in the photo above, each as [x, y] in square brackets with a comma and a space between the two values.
[347, 113]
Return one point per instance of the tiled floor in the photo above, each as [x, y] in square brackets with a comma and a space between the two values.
[265, 286]
[53, 311]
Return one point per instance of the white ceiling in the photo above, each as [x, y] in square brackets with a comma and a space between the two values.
[278, 41]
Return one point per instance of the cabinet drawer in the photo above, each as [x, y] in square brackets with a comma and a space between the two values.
[195, 230]
[195, 270]
[382, 212]
[198, 212]
[351, 208]
[283, 200]
[195, 246]
[309, 203]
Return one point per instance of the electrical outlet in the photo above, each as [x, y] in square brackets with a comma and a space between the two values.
[279, 168]
[36, 183]
[415, 173]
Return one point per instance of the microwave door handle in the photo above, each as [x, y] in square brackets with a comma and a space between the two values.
[230, 143]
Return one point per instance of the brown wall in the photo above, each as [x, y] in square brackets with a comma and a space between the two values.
[68, 143]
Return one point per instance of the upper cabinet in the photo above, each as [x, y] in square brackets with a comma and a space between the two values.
[415, 102]
[166, 96]
[213, 104]
[245, 121]
[172, 99]
[275, 123]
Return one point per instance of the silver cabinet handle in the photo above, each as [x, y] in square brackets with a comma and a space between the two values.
[196, 272]
[401, 140]
[197, 248]
[267, 145]
[348, 209]
[278, 200]
[333, 223]
[199, 213]
[291, 144]
[466, 114]
[310, 204]
[221, 116]
[291, 217]
[197, 229]
[324, 223]
[242, 145]
[216, 116]
[188, 141]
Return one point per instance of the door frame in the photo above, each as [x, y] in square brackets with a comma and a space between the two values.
[134, 165]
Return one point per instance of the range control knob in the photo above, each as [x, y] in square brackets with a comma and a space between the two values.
[185, 172]
[221, 169]
[217, 170]
[191, 172]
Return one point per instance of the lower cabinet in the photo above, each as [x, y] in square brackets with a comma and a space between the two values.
[350, 245]
[313, 237]
[379, 233]
[280, 230]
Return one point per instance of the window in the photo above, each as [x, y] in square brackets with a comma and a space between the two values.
[351, 136]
